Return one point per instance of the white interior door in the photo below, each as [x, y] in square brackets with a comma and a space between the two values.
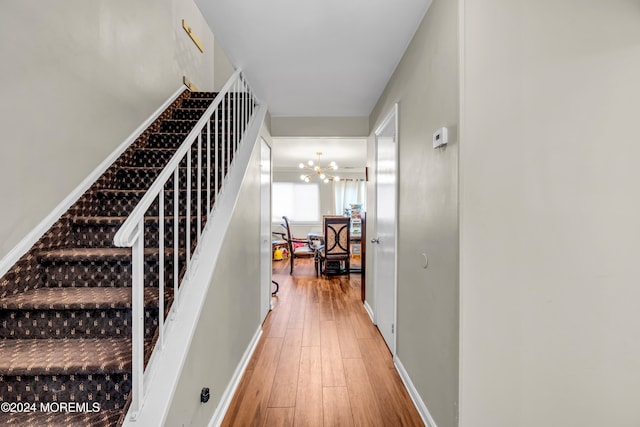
[384, 241]
[265, 229]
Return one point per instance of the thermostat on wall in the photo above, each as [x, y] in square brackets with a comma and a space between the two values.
[440, 137]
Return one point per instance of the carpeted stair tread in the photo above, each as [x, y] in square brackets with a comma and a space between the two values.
[182, 135]
[114, 220]
[147, 169]
[186, 125]
[171, 135]
[203, 94]
[81, 254]
[195, 112]
[120, 192]
[200, 109]
[141, 177]
[161, 156]
[84, 253]
[143, 168]
[64, 356]
[169, 139]
[191, 122]
[163, 150]
[133, 192]
[98, 219]
[195, 103]
[102, 418]
[76, 299]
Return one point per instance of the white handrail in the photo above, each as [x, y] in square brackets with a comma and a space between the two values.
[124, 236]
[235, 109]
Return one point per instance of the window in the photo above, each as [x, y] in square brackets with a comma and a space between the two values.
[300, 202]
[346, 192]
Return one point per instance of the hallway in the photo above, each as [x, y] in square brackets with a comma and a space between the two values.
[320, 361]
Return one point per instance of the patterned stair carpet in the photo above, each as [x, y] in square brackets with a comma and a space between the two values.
[65, 306]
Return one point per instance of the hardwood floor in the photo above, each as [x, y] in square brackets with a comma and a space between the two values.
[320, 361]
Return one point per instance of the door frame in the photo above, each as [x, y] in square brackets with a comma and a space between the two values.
[265, 232]
[391, 115]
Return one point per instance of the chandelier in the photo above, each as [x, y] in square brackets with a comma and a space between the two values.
[318, 170]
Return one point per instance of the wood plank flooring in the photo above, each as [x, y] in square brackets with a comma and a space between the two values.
[320, 361]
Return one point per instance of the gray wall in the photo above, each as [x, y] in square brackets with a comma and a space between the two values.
[319, 126]
[77, 78]
[231, 312]
[223, 68]
[425, 85]
[549, 214]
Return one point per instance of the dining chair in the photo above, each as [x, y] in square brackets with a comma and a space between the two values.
[298, 248]
[334, 257]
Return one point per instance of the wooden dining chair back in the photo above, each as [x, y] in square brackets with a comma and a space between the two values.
[298, 247]
[334, 257]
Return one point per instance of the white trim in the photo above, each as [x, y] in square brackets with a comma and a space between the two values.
[413, 392]
[266, 236]
[166, 370]
[227, 396]
[369, 310]
[38, 231]
[390, 115]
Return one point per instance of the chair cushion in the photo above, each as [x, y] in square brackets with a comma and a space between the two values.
[304, 251]
[331, 257]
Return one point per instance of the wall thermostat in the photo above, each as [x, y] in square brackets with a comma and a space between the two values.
[440, 137]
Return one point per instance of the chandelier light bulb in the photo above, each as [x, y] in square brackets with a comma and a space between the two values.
[318, 170]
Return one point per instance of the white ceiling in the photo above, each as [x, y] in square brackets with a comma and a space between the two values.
[315, 57]
[349, 153]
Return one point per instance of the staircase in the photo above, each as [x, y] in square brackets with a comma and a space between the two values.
[66, 305]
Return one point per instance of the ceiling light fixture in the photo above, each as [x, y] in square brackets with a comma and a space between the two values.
[320, 171]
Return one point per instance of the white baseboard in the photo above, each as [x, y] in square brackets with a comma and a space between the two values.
[369, 312]
[36, 233]
[225, 400]
[415, 396]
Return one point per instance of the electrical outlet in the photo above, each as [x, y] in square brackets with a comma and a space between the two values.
[204, 395]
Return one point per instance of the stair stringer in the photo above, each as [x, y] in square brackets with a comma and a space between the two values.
[165, 368]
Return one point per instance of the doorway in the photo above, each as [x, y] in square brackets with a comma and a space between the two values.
[384, 241]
